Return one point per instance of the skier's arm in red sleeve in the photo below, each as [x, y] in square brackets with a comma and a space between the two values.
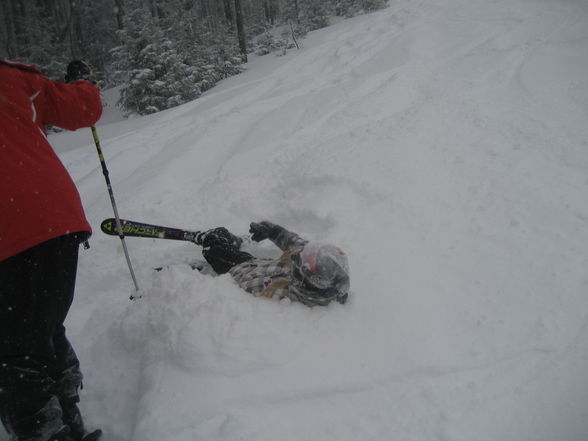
[69, 106]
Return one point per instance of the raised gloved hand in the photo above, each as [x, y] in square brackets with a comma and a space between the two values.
[262, 230]
[78, 70]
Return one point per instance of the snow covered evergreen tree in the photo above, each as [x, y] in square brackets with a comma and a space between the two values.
[35, 37]
[165, 61]
[315, 13]
[350, 8]
[163, 52]
[307, 15]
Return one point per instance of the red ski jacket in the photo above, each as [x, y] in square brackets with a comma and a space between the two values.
[38, 199]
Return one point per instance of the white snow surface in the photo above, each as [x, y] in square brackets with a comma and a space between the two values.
[444, 147]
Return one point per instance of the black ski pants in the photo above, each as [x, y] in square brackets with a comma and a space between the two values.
[39, 371]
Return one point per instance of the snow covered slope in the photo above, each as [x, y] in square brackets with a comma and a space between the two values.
[444, 146]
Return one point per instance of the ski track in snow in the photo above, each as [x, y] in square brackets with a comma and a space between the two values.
[444, 146]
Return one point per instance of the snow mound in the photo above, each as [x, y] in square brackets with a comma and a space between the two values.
[444, 147]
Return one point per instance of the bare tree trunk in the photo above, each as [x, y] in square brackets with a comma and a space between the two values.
[241, 31]
[208, 13]
[228, 13]
[266, 10]
[120, 13]
[8, 36]
[203, 9]
[297, 11]
[21, 38]
[75, 31]
[270, 10]
[214, 16]
[154, 9]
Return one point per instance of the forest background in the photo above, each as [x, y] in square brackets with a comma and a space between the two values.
[161, 52]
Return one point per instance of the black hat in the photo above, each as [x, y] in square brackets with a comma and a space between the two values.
[77, 70]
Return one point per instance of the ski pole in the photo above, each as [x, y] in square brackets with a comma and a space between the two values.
[116, 216]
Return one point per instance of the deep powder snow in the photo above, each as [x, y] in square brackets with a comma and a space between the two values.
[444, 146]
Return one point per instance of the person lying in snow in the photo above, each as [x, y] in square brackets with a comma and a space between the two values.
[308, 272]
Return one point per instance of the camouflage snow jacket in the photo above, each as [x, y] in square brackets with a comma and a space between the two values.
[273, 277]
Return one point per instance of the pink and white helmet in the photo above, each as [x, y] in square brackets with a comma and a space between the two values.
[321, 273]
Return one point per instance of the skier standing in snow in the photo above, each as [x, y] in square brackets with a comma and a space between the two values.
[308, 272]
[42, 223]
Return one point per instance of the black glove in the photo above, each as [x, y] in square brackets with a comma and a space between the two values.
[218, 237]
[262, 230]
[78, 70]
[222, 258]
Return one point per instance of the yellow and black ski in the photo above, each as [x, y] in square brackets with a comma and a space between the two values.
[139, 229]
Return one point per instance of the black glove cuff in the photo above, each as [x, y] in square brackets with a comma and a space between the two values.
[274, 232]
